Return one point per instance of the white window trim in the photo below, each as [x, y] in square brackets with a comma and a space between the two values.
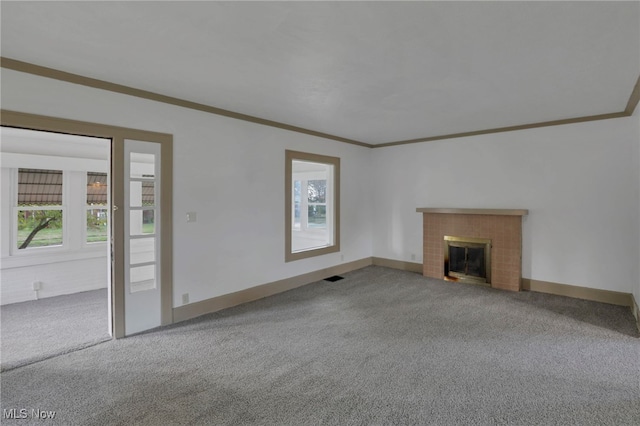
[37, 251]
[52, 256]
[15, 258]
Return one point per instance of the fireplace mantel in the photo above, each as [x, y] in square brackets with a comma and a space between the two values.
[493, 212]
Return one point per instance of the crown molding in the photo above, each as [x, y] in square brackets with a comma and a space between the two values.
[55, 74]
[509, 128]
[633, 99]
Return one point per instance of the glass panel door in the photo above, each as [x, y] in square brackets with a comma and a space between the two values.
[142, 301]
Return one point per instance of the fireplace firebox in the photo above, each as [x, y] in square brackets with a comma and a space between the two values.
[467, 259]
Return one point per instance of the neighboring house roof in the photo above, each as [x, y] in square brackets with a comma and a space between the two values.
[38, 187]
[96, 188]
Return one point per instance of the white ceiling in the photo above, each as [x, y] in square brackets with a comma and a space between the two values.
[374, 72]
[23, 141]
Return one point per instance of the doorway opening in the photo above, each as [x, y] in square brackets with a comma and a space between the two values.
[55, 222]
[127, 264]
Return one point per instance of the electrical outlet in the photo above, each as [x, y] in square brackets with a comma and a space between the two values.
[342, 258]
[191, 217]
[185, 298]
[37, 285]
[413, 256]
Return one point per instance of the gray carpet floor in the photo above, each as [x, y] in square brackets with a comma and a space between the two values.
[379, 347]
[39, 329]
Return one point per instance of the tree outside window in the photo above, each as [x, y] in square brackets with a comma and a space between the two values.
[97, 207]
[40, 208]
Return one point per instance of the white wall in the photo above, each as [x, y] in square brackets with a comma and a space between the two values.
[65, 275]
[67, 269]
[578, 181]
[230, 172]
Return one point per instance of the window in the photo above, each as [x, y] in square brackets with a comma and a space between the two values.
[312, 205]
[96, 207]
[39, 209]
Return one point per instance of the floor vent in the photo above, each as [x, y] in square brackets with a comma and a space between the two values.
[334, 278]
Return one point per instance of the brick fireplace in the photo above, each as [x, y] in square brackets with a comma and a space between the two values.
[503, 227]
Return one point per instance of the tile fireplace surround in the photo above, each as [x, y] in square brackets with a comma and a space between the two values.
[502, 226]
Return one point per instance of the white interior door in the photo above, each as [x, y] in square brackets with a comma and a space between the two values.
[142, 244]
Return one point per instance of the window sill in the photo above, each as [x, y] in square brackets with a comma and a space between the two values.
[42, 258]
[305, 254]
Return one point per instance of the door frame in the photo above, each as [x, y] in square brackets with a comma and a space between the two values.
[117, 136]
